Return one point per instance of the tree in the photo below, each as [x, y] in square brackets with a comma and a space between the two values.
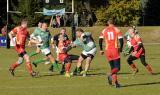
[124, 12]
[27, 9]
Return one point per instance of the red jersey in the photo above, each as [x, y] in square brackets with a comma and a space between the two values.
[61, 46]
[134, 42]
[21, 35]
[111, 35]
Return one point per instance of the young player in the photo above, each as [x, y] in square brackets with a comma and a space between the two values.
[21, 34]
[111, 34]
[84, 40]
[34, 35]
[44, 42]
[63, 56]
[137, 51]
[55, 42]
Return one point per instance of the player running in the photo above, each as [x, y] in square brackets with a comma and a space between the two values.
[21, 34]
[33, 36]
[63, 56]
[137, 51]
[44, 42]
[112, 35]
[84, 40]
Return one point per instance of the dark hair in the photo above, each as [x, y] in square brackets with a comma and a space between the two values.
[41, 21]
[24, 21]
[110, 21]
[80, 30]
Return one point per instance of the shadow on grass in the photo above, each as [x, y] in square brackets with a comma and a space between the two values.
[96, 74]
[141, 84]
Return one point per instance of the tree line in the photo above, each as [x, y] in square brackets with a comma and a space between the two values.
[124, 12]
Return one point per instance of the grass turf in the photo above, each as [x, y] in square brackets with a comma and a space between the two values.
[94, 84]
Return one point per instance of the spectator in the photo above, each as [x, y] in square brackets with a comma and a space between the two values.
[76, 19]
[58, 21]
[4, 30]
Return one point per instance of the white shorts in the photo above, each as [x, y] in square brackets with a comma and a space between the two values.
[92, 52]
[46, 51]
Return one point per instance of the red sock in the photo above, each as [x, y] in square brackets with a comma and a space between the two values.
[114, 71]
[133, 66]
[148, 67]
[29, 67]
[114, 78]
[13, 66]
[68, 66]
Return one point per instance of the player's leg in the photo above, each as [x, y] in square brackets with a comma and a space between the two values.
[28, 65]
[67, 62]
[36, 62]
[114, 72]
[148, 67]
[47, 53]
[79, 64]
[53, 61]
[69, 58]
[35, 52]
[15, 65]
[87, 65]
[132, 65]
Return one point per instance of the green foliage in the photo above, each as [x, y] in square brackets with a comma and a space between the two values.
[124, 12]
[27, 9]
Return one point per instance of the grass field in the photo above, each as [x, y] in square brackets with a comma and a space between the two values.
[94, 84]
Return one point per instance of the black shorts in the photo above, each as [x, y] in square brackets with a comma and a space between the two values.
[85, 56]
[22, 54]
[115, 64]
[71, 58]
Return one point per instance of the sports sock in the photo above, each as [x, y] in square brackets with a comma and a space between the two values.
[114, 71]
[133, 66]
[68, 66]
[32, 54]
[55, 65]
[148, 67]
[114, 78]
[13, 66]
[39, 61]
[29, 67]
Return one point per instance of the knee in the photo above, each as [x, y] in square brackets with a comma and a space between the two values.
[20, 61]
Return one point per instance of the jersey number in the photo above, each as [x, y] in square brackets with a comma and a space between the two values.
[110, 36]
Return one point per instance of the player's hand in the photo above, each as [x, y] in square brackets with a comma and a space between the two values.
[134, 53]
[101, 52]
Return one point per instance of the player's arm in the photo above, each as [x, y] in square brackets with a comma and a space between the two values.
[139, 41]
[101, 43]
[120, 38]
[52, 42]
[12, 33]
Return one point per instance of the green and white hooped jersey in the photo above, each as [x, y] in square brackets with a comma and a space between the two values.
[43, 36]
[86, 42]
